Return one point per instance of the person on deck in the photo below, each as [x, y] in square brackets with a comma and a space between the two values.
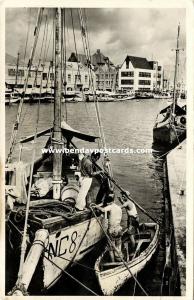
[133, 218]
[87, 173]
[113, 213]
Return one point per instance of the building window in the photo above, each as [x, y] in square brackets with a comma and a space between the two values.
[21, 73]
[127, 81]
[159, 75]
[52, 76]
[144, 74]
[77, 78]
[127, 64]
[32, 74]
[11, 72]
[127, 74]
[69, 77]
[102, 76]
[144, 82]
[159, 68]
[44, 76]
[86, 78]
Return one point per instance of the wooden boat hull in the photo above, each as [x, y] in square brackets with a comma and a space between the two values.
[168, 135]
[111, 280]
[71, 245]
[65, 246]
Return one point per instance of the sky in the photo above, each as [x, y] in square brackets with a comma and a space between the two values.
[145, 32]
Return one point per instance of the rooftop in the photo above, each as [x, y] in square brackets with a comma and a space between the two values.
[139, 62]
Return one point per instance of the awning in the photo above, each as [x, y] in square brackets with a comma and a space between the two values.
[67, 132]
[179, 111]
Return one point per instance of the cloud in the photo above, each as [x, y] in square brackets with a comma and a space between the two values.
[147, 32]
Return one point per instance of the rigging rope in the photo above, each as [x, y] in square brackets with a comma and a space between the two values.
[18, 117]
[24, 240]
[100, 126]
[27, 37]
[72, 277]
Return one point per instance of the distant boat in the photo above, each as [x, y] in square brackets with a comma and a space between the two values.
[164, 95]
[11, 96]
[143, 95]
[112, 275]
[123, 97]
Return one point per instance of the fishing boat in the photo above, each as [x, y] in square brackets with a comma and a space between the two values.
[143, 95]
[42, 220]
[123, 97]
[112, 275]
[164, 95]
[170, 124]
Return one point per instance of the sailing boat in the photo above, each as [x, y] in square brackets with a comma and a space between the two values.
[171, 130]
[52, 235]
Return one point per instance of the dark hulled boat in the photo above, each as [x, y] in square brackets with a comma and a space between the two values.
[171, 130]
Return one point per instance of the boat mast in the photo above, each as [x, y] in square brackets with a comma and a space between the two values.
[17, 65]
[57, 143]
[175, 71]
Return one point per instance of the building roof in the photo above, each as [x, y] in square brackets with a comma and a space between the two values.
[105, 69]
[139, 62]
[99, 58]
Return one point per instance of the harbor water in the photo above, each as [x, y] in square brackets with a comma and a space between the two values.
[126, 124]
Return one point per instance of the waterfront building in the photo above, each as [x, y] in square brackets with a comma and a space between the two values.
[105, 71]
[139, 74]
[77, 76]
[158, 81]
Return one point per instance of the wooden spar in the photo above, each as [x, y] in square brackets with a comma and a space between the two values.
[17, 65]
[32, 260]
[175, 71]
[57, 157]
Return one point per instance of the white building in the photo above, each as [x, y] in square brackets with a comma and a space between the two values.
[138, 74]
[76, 77]
[158, 76]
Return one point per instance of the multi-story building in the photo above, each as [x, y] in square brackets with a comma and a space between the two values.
[138, 74]
[76, 76]
[106, 72]
[104, 69]
[158, 83]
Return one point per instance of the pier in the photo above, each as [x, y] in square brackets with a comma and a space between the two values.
[176, 170]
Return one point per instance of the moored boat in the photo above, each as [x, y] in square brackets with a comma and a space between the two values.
[167, 132]
[143, 95]
[171, 130]
[164, 95]
[112, 275]
[42, 220]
